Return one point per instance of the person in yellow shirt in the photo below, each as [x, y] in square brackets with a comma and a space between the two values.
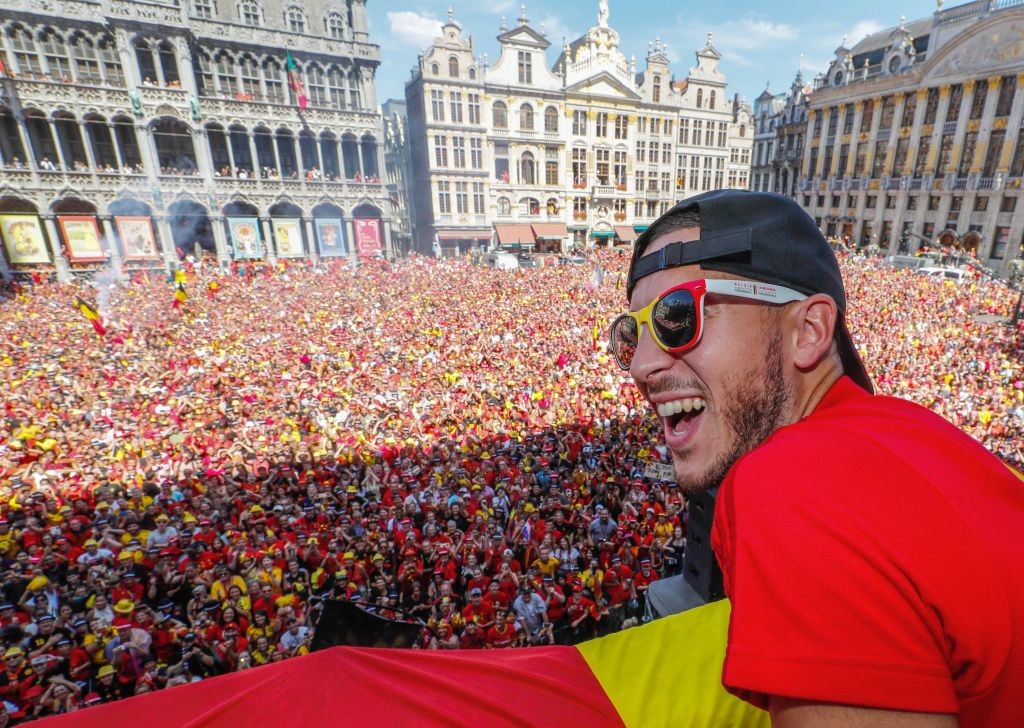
[545, 563]
[219, 588]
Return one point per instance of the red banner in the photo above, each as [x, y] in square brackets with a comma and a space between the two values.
[367, 232]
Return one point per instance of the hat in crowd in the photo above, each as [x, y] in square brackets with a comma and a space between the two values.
[122, 623]
[105, 670]
[92, 698]
[124, 606]
[475, 592]
[163, 518]
[755, 235]
[44, 618]
[91, 542]
[12, 651]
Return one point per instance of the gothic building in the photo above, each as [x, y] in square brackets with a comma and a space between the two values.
[132, 132]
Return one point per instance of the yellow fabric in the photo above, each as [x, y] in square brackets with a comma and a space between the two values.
[669, 672]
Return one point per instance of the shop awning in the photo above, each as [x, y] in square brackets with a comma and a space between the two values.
[515, 234]
[550, 230]
[603, 233]
[640, 228]
[626, 233]
[464, 234]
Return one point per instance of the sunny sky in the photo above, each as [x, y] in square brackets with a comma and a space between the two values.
[759, 41]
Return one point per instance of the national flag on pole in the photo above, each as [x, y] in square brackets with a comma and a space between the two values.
[91, 315]
[180, 296]
[294, 82]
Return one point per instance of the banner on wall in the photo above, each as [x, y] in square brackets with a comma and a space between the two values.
[246, 240]
[24, 240]
[287, 236]
[367, 234]
[137, 239]
[330, 234]
[81, 238]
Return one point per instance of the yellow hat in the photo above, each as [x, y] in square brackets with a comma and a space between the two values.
[105, 670]
[124, 606]
[38, 583]
[12, 651]
[91, 542]
[348, 555]
[256, 509]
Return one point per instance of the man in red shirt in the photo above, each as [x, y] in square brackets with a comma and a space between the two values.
[478, 610]
[502, 633]
[871, 550]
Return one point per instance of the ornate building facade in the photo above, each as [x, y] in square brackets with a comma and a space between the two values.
[161, 126]
[780, 123]
[914, 134]
[586, 151]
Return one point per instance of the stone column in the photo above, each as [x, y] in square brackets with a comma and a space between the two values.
[268, 241]
[83, 130]
[55, 135]
[385, 224]
[163, 227]
[1013, 122]
[107, 225]
[915, 132]
[220, 240]
[353, 254]
[312, 249]
[56, 249]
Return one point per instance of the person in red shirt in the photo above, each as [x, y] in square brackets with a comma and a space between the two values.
[582, 614]
[478, 610]
[495, 597]
[502, 633]
[472, 637]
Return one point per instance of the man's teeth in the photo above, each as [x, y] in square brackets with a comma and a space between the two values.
[688, 404]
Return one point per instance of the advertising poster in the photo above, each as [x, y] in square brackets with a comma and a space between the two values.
[367, 234]
[137, 239]
[23, 238]
[330, 234]
[246, 240]
[287, 236]
[81, 238]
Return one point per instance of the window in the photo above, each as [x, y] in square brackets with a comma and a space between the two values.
[909, 108]
[656, 90]
[525, 67]
[551, 120]
[551, 172]
[641, 151]
[250, 73]
[1004, 104]
[462, 197]
[709, 134]
[205, 73]
[476, 155]
[978, 100]
[527, 169]
[1017, 165]
[833, 120]
[273, 80]
[700, 97]
[56, 55]
[478, 197]
[967, 156]
[995, 148]
[444, 197]
[603, 156]
[818, 121]
[684, 131]
[888, 111]
[250, 13]
[87, 67]
[504, 206]
[336, 87]
[619, 170]
[526, 117]
[723, 134]
[455, 102]
[225, 70]
[295, 19]
[931, 106]
[315, 85]
[437, 104]
[860, 164]
[204, 8]
[435, 68]
[1000, 242]
[501, 162]
[453, 66]
[459, 152]
[579, 207]
[924, 146]
[980, 203]
[474, 108]
[440, 151]
[335, 25]
[867, 116]
[621, 126]
[500, 113]
[933, 204]
[655, 148]
[579, 122]
[712, 104]
[111, 61]
[900, 159]
[1008, 204]
[878, 162]
[945, 152]
[579, 168]
[956, 95]
[601, 125]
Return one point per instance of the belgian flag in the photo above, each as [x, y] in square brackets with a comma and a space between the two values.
[91, 315]
[180, 296]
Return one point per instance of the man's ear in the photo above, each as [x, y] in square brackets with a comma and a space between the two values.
[814, 323]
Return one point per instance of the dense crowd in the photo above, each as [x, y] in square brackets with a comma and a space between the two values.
[441, 441]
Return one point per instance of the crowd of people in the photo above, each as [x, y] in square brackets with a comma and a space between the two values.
[443, 442]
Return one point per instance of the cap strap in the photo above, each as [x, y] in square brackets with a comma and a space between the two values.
[693, 251]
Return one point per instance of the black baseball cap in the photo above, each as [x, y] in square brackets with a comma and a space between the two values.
[758, 235]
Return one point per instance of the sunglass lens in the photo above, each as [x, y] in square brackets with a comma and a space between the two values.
[675, 318]
[623, 340]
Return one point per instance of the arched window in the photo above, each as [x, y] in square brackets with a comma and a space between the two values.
[205, 73]
[250, 72]
[700, 97]
[526, 117]
[500, 114]
[529, 206]
[249, 12]
[110, 60]
[656, 91]
[295, 19]
[335, 25]
[315, 85]
[527, 169]
[453, 66]
[225, 70]
[87, 67]
[472, 73]
[24, 49]
[56, 54]
[273, 79]
[144, 60]
[168, 64]
[551, 119]
[712, 104]
[743, 130]
[504, 206]
[435, 69]
[336, 87]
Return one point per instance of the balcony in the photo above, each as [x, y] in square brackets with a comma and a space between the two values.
[600, 191]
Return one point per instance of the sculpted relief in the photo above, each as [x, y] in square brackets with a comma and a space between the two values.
[1000, 45]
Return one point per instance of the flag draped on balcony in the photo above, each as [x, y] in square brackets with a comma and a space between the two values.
[294, 82]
